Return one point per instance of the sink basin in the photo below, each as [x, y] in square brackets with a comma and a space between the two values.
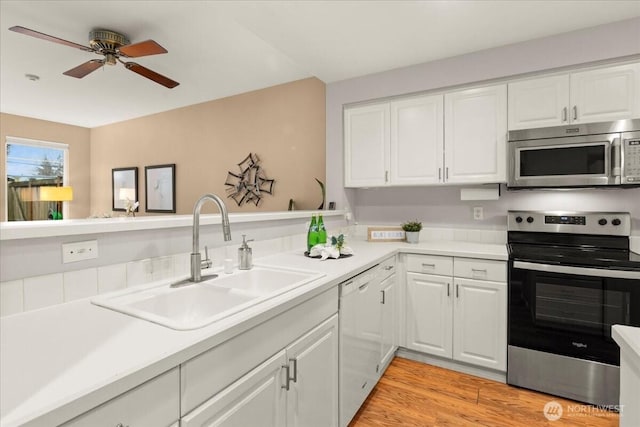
[200, 304]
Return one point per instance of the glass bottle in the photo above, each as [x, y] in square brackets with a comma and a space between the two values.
[312, 235]
[322, 232]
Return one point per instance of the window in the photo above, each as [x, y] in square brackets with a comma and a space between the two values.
[31, 165]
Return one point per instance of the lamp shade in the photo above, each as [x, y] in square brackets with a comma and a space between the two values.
[56, 194]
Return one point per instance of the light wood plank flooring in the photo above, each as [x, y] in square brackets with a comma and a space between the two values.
[414, 394]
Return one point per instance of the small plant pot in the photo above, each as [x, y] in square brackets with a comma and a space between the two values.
[412, 236]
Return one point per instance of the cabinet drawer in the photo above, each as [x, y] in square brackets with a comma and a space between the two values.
[430, 264]
[387, 267]
[480, 269]
[154, 403]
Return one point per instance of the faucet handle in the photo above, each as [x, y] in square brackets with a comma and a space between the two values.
[206, 262]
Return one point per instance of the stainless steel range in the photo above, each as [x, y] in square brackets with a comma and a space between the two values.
[571, 277]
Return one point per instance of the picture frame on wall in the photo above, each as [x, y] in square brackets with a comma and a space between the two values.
[124, 186]
[160, 188]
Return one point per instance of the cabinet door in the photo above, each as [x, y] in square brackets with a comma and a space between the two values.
[476, 135]
[389, 338]
[312, 399]
[366, 146]
[154, 403]
[606, 94]
[429, 314]
[258, 398]
[480, 323]
[539, 102]
[417, 138]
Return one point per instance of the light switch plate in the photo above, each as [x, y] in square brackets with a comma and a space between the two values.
[478, 213]
[79, 251]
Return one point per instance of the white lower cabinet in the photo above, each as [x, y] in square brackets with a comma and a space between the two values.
[154, 403]
[257, 399]
[480, 323]
[461, 315]
[296, 387]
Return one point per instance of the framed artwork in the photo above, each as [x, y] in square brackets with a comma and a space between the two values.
[160, 188]
[124, 186]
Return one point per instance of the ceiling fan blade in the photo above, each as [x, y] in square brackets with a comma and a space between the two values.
[82, 70]
[151, 75]
[145, 48]
[36, 34]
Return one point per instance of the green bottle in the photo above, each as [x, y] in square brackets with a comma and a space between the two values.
[322, 232]
[312, 235]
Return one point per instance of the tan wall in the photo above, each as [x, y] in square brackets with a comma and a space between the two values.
[284, 125]
[79, 155]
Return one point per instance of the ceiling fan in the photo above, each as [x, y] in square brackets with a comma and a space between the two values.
[112, 46]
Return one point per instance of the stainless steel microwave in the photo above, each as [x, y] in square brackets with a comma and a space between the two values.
[585, 155]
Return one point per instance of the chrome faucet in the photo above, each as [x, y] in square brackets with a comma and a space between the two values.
[197, 263]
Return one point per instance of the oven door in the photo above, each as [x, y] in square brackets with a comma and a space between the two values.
[570, 310]
[563, 162]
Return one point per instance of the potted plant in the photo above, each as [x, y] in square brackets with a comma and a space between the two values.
[412, 231]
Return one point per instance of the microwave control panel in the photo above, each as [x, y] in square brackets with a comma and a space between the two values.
[631, 161]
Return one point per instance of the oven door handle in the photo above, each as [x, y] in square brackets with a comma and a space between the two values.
[596, 272]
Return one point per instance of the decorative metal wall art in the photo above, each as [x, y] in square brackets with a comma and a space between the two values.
[249, 185]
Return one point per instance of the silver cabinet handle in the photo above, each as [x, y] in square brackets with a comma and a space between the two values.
[363, 287]
[575, 112]
[479, 270]
[439, 174]
[446, 173]
[457, 292]
[295, 370]
[287, 378]
[448, 285]
[121, 425]
[386, 176]
[389, 267]
[424, 264]
[383, 297]
[564, 114]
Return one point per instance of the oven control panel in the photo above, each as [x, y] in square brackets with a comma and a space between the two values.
[602, 223]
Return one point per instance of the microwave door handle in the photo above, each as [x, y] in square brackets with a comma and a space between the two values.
[616, 160]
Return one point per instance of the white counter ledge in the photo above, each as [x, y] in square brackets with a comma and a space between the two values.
[628, 339]
[58, 362]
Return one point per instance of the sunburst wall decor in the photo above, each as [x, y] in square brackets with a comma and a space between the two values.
[250, 183]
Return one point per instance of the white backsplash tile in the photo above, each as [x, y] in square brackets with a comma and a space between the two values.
[460, 235]
[112, 278]
[80, 284]
[182, 264]
[43, 291]
[139, 272]
[162, 268]
[11, 297]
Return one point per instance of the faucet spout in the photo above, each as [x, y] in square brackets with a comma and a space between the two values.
[196, 258]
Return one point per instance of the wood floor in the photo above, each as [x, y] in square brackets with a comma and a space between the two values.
[414, 394]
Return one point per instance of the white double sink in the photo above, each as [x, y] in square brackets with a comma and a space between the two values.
[200, 304]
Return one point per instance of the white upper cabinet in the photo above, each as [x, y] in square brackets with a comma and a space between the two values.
[539, 102]
[604, 94]
[416, 140]
[476, 135]
[366, 148]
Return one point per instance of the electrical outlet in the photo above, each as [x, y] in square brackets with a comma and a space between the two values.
[347, 216]
[79, 251]
[478, 213]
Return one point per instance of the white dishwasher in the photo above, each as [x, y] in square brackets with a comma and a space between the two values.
[360, 337]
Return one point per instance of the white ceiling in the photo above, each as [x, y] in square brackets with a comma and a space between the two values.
[222, 48]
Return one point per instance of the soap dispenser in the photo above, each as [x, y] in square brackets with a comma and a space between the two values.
[244, 255]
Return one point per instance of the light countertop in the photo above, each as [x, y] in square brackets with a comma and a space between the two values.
[628, 339]
[60, 361]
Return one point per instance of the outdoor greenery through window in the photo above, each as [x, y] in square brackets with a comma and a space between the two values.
[32, 165]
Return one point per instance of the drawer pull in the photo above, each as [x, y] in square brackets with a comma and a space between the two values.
[457, 293]
[121, 425]
[383, 295]
[479, 270]
[363, 287]
[389, 267]
[424, 264]
[448, 285]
